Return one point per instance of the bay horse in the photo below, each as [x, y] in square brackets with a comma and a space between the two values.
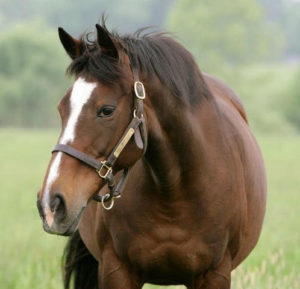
[142, 122]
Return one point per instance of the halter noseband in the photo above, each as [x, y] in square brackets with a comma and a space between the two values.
[105, 168]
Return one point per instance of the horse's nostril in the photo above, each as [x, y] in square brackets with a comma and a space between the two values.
[58, 207]
[56, 203]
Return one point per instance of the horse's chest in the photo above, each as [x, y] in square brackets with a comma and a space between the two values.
[166, 252]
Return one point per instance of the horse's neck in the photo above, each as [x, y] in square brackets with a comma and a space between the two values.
[177, 142]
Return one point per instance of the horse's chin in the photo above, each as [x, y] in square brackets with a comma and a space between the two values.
[66, 228]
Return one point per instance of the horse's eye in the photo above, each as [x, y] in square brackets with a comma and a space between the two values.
[105, 111]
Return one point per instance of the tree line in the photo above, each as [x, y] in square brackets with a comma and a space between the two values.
[220, 34]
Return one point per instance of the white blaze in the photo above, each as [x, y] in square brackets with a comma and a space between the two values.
[81, 93]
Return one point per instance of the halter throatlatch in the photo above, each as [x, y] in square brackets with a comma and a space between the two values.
[105, 168]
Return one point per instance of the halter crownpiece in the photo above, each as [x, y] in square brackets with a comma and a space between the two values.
[105, 168]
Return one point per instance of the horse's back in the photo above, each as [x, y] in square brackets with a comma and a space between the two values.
[220, 90]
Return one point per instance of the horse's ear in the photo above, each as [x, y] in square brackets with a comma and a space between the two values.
[73, 46]
[105, 42]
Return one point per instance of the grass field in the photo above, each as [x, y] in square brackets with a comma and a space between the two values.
[30, 258]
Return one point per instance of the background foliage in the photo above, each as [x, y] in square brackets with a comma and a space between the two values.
[31, 77]
[231, 32]
[240, 41]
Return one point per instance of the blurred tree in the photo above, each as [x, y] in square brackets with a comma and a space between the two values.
[291, 25]
[286, 14]
[77, 15]
[31, 76]
[292, 102]
[219, 32]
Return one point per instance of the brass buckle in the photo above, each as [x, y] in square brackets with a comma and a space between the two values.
[108, 170]
[139, 96]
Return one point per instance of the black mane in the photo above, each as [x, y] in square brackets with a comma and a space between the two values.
[153, 53]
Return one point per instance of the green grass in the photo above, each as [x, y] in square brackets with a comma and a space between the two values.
[30, 258]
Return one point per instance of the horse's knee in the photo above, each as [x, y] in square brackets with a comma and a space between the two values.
[113, 274]
[216, 280]
[220, 277]
[118, 278]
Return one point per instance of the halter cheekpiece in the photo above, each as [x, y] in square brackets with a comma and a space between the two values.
[105, 168]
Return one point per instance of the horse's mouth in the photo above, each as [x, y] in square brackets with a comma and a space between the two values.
[66, 229]
[74, 225]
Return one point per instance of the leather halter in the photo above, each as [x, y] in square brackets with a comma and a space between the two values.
[105, 168]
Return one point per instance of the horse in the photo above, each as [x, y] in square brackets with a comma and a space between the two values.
[142, 122]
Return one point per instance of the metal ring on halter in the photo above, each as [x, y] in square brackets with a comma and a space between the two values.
[135, 116]
[111, 203]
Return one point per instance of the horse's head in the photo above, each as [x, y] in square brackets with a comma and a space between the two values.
[95, 112]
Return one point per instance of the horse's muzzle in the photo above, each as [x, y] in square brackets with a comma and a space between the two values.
[55, 216]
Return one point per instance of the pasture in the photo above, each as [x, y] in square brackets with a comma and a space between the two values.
[30, 258]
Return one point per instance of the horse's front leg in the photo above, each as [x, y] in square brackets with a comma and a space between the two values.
[218, 278]
[114, 274]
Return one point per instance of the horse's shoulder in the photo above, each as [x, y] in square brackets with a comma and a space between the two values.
[221, 90]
